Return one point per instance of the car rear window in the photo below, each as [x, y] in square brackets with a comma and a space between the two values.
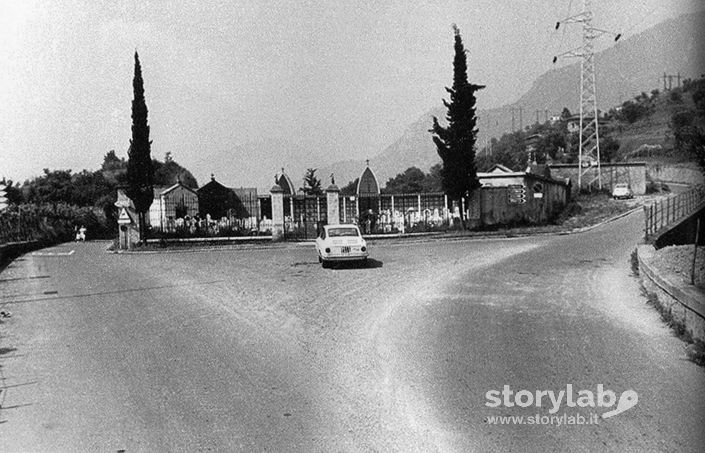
[338, 232]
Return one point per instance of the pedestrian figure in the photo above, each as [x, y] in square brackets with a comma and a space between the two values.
[82, 233]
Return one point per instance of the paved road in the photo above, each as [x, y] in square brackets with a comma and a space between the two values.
[259, 349]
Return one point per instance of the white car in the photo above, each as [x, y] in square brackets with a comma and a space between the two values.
[622, 190]
[340, 243]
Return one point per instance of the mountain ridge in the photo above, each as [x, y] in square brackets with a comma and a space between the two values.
[632, 65]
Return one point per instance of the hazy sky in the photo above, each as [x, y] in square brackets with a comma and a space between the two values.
[340, 78]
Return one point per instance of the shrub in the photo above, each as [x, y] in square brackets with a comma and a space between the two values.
[633, 111]
[699, 100]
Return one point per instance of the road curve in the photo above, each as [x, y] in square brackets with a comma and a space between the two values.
[259, 349]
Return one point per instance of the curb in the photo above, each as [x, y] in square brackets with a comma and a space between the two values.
[420, 237]
[237, 246]
[691, 298]
[11, 250]
[611, 219]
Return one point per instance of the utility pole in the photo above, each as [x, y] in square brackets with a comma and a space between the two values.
[513, 128]
[670, 78]
[521, 118]
[589, 141]
[487, 137]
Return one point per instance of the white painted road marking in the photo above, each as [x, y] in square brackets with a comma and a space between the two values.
[53, 253]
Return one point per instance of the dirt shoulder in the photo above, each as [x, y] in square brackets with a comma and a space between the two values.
[675, 262]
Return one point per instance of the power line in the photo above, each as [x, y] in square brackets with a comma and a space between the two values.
[589, 141]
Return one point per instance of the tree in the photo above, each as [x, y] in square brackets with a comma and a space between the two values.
[312, 184]
[12, 191]
[89, 188]
[414, 180]
[411, 181]
[553, 141]
[170, 172]
[433, 181]
[52, 187]
[609, 147]
[689, 137]
[632, 111]
[455, 143]
[699, 100]
[350, 188]
[114, 169]
[140, 172]
[111, 162]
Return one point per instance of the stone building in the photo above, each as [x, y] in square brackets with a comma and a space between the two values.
[219, 201]
[171, 203]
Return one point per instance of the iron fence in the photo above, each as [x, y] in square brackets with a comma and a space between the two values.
[661, 214]
[398, 213]
[192, 227]
[304, 215]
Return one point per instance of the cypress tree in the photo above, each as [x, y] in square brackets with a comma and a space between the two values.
[456, 142]
[140, 172]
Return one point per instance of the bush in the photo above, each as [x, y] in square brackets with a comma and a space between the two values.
[572, 209]
[657, 186]
[633, 111]
[699, 100]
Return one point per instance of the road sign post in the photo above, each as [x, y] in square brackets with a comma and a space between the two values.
[3, 198]
[516, 193]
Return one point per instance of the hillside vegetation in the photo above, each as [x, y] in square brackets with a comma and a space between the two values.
[665, 126]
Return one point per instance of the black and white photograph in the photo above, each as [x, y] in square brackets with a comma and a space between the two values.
[352, 226]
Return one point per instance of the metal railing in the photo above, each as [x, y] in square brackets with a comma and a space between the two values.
[661, 214]
[196, 227]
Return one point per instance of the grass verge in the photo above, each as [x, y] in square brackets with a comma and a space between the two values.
[695, 349]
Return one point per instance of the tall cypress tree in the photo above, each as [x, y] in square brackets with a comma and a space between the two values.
[456, 142]
[140, 172]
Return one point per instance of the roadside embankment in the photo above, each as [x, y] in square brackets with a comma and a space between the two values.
[12, 250]
[684, 173]
[682, 303]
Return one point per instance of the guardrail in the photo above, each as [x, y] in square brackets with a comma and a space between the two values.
[660, 215]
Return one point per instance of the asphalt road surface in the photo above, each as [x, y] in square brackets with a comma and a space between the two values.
[260, 349]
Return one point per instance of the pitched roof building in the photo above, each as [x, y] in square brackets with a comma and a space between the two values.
[368, 185]
[285, 183]
[220, 201]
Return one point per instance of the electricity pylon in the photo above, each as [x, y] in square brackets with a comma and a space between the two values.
[589, 146]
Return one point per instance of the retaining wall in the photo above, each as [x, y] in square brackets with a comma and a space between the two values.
[685, 303]
[677, 173]
[632, 173]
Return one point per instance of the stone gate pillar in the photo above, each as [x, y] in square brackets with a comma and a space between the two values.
[277, 194]
[332, 195]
